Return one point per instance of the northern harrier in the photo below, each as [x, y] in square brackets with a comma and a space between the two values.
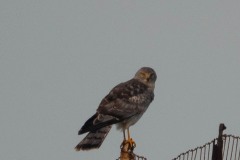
[124, 106]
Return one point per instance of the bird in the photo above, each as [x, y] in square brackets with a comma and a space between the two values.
[123, 106]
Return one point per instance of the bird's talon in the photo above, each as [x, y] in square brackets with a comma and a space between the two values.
[123, 143]
[132, 143]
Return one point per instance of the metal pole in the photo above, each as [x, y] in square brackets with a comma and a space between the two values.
[217, 148]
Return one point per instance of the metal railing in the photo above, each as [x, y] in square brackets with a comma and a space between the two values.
[225, 147]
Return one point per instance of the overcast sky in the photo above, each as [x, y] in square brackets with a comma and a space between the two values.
[58, 59]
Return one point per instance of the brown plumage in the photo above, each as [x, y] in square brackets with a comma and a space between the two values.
[124, 106]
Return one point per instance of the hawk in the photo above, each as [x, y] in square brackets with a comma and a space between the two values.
[123, 106]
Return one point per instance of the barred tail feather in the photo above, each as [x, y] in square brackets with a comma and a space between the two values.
[93, 140]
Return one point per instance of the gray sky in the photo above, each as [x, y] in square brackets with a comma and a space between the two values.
[58, 59]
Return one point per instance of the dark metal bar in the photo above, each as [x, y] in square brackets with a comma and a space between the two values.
[236, 149]
[217, 148]
[228, 147]
[233, 141]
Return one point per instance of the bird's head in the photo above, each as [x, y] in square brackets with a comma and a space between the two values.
[146, 75]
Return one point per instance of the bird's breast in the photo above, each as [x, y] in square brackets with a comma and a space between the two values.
[128, 122]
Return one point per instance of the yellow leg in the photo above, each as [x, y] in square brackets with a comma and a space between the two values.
[129, 141]
[128, 134]
[124, 137]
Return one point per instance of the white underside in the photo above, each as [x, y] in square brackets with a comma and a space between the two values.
[128, 122]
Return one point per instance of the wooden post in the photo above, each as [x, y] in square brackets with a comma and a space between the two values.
[126, 152]
[217, 148]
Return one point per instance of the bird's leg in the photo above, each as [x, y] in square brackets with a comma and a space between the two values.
[124, 137]
[130, 140]
[129, 137]
[127, 144]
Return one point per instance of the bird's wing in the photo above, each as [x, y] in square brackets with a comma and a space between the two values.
[124, 101]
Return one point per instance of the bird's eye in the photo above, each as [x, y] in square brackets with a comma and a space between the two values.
[142, 74]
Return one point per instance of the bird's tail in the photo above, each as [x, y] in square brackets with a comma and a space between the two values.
[93, 139]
